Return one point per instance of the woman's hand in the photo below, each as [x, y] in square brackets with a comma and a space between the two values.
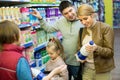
[79, 60]
[91, 49]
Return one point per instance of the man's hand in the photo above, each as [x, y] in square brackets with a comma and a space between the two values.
[36, 14]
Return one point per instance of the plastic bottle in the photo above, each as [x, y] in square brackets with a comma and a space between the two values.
[24, 15]
[82, 54]
[37, 57]
[38, 74]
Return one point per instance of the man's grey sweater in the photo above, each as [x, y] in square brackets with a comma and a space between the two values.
[70, 31]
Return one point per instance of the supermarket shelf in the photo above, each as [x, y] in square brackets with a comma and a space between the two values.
[116, 1]
[41, 68]
[32, 63]
[38, 5]
[45, 2]
[40, 46]
[13, 2]
[28, 44]
[24, 25]
[116, 27]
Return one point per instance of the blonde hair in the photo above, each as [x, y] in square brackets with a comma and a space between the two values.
[58, 46]
[85, 10]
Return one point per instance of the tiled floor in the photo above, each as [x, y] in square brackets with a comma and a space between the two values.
[116, 71]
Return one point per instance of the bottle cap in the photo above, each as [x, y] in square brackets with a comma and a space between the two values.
[91, 42]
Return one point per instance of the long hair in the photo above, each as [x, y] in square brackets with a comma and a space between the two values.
[86, 10]
[58, 46]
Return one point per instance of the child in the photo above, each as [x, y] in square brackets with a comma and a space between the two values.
[13, 66]
[56, 64]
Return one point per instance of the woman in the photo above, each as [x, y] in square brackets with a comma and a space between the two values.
[13, 65]
[99, 62]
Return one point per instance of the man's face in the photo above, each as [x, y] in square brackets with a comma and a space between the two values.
[69, 13]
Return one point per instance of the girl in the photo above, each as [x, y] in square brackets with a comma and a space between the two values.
[99, 62]
[56, 64]
[13, 66]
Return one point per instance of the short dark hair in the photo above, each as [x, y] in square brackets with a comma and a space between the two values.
[64, 4]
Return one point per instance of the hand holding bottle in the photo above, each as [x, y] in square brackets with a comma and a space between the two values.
[91, 49]
[85, 50]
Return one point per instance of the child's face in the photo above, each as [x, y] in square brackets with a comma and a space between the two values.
[52, 53]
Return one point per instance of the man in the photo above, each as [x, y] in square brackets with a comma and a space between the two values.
[69, 26]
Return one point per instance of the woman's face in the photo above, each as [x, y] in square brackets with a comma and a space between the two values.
[18, 42]
[52, 53]
[87, 21]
